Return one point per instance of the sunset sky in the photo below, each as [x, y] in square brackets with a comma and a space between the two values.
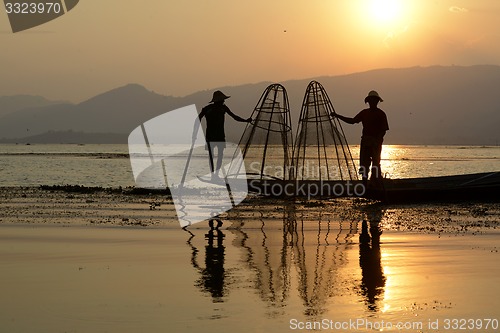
[180, 47]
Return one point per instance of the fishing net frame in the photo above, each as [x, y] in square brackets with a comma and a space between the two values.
[271, 124]
[316, 113]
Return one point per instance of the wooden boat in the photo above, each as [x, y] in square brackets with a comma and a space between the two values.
[480, 186]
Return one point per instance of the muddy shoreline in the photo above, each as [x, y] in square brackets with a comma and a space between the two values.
[78, 205]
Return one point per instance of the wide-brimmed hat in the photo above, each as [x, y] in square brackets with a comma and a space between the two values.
[218, 96]
[373, 94]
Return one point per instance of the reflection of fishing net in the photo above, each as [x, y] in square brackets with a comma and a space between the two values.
[321, 151]
[302, 258]
[267, 142]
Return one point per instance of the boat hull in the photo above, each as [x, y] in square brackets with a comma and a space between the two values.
[480, 186]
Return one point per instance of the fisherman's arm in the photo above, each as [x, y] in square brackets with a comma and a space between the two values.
[343, 118]
[238, 118]
[202, 114]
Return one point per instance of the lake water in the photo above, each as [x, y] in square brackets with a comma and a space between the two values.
[307, 276]
[275, 266]
[109, 165]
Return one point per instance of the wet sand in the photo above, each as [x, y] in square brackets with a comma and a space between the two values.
[106, 262]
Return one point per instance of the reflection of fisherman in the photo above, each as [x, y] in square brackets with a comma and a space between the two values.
[372, 280]
[374, 127]
[213, 276]
[214, 114]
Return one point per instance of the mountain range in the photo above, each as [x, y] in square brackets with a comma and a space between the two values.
[425, 105]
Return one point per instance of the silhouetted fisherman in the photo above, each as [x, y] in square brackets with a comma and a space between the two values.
[214, 114]
[375, 125]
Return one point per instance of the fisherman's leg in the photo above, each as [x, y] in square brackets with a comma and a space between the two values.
[376, 169]
[364, 162]
[211, 151]
[220, 156]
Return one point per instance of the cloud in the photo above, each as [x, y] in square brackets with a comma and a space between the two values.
[455, 9]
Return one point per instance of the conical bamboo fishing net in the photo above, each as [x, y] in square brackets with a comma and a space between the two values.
[321, 151]
[267, 142]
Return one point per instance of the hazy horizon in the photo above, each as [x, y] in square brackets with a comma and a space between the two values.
[210, 90]
[180, 47]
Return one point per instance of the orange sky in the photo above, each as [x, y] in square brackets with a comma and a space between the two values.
[179, 47]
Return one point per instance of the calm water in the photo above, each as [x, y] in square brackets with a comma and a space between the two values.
[274, 268]
[261, 277]
[108, 165]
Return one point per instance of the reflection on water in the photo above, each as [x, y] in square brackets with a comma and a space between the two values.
[212, 275]
[297, 262]
[399, 161]
[373, 279]
[294, 262]
[289, 263]
[370, 258]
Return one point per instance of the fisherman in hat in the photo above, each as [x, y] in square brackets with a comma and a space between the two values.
[214, 114]
[374, 127]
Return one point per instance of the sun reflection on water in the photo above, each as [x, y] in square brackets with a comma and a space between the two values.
[399, 161]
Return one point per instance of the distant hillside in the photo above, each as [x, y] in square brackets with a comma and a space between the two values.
[425, 105]
[9, 104]
[116, 111]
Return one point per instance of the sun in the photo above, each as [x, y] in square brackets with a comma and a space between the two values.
[385, 11]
